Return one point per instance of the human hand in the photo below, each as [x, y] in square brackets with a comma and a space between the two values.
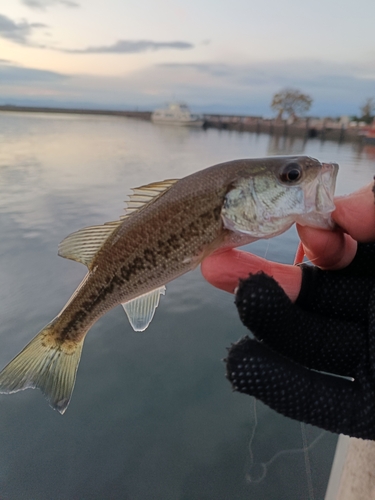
[320, 319]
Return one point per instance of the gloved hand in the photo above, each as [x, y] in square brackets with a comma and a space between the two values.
[330, 328]
[313, 356]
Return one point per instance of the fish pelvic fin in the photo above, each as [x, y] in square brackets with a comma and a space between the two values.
[141, 310]
[45, 363]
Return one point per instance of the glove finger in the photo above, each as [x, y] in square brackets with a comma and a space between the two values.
[311, 340]
[332, 403]
[364, 261]
[336, 294]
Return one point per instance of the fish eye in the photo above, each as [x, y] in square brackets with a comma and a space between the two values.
[291, 173]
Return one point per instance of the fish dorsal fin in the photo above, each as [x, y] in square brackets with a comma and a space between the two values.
[144, 195]
[141, 310]
[83, 245]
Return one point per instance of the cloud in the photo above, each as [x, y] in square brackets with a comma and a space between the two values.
[210, 69]
[131, 47]
[207, 87]
[308, 75]
[11, 74]
[21, 33]
[44, 4]
[17, 32]
[248, 89]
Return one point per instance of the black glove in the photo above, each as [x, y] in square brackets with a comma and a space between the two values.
[330, 329]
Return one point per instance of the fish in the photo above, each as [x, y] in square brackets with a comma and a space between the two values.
[167, 230]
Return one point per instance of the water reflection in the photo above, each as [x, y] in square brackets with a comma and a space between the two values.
[283, 145]
[152, 415]
[366, 150]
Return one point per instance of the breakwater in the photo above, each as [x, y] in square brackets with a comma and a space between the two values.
[334, 130]
[143, 115]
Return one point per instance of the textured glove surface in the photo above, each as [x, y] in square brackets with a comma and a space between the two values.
[330, 329]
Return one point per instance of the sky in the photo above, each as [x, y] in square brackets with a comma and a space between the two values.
[225, 56]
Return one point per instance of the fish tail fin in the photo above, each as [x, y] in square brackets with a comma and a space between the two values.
[46, 363]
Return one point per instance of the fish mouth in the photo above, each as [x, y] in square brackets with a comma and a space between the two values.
[319, 198]
[326, 190]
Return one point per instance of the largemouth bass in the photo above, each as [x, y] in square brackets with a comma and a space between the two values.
[167, 230]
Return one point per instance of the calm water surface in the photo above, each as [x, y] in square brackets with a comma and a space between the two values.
[152, 415]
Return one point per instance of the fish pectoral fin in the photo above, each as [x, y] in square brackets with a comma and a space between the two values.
[209, 249]
[83, 245]
[141, 310]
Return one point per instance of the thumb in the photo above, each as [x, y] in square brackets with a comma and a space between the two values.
[224, 269]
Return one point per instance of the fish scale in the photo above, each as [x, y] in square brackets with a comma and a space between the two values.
[168, 228]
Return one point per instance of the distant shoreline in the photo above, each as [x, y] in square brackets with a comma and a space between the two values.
[145, 115]
[324, 129]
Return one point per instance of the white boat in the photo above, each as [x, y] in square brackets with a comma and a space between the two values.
[177, 113]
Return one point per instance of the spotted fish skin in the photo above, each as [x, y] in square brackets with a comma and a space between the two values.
[155, 245]
[169, 229]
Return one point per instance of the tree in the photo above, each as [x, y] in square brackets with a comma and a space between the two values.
[367, 110]
[292, 102]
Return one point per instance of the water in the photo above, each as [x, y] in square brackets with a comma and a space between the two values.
[152, 415]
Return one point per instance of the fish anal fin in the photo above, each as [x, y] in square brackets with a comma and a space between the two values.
[46, 364]
[141, 310]
[144, 195]
[83, 245]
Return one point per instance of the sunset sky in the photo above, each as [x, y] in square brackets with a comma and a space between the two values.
[216, 55]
